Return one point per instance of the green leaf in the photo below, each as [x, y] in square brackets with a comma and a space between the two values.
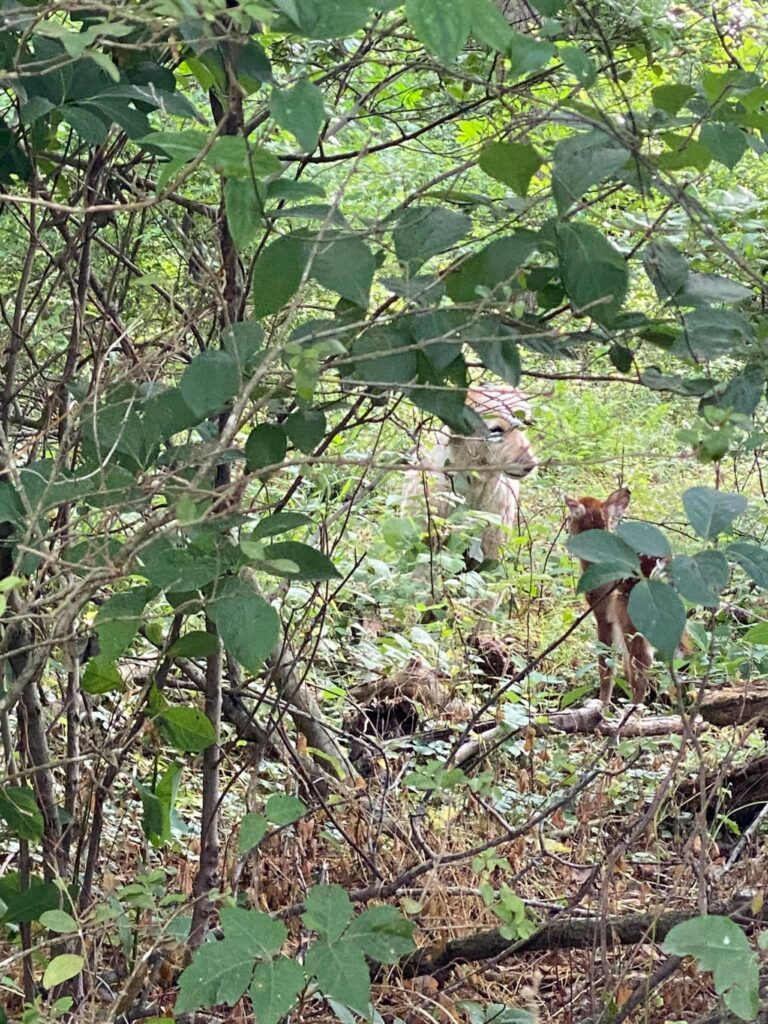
[602, 546]
[178, 569]
[243, 208]
[253, 931]
[600, 573]
[666, 267]
[253, 828]
[210, 382]
[383, 934]
[341, 972]
[275, 986]
[182, 146]
[187, 729]
[488, 24]
[497, 264]
[102, 676]
[726, 142]
[19, 810]
[195, 644]
[344, 265]
[62, 968]
[527, 54]
[757, 634]
[277, 274]
[721, 947]
[220, 972]
[118, 621]
[511, 163]
[716, 288]
[425, 231]
[286, 188]
[684, 152]
[248, 626]
[659, 614]
[670, 98]
[306, 428]
[279, 522]
[385, 354]
[283, 810]
[549, 8]
[301, 111]
[580, 64]
[158, 805]
[58, 921]
[495, 345]
[711, 333]
[711, 512]
[266, 446]
[311, 565]
[645, 539]
[328, 910]
[581, 161]
[700, 578]
[594, 274]
[442, 29]
[753, 559]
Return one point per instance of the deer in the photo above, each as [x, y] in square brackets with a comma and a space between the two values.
[610, 602]
[492, 465]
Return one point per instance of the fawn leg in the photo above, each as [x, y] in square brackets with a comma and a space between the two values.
[640, 659]
[605, 636]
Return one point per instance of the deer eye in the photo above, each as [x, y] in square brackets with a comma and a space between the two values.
[497, 429]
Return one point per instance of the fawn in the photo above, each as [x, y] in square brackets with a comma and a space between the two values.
[492, 466]
[609, 602]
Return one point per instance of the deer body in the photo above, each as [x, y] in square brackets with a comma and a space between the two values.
[610, 602]
[491, 466]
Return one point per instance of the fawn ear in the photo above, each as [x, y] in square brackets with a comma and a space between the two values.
[574, 506]
[616, 504]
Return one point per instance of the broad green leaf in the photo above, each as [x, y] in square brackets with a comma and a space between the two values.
[753, 559]
[244, 341]
[318, 19]
[744, 392]
[58, 921]
[599, 573]
[706, 288]
[726, 142]
[287, 188]
[283, 810]
[670, 98]
[118, 621]
[62, 968]
[102, 676]
[183, 145]
[581, 161]
[187, 729]
[328, 910]
[210, 382]
[243, 208]
[312, 565]
[266, 446]
[341, 972]
[594, 274]
[711, 512]
[659, 614]
[527, 54]
[23, 905]
[195, 644]
[253, 828]
[232, 157]
[299, 109]
[344, 265]
[757, 634]
[700, 578]
[488, 24]
[158, 804]
[666, 267]
[248, 626]
[166, 414]
[278, 274]
[442, 29]
[279, 522]
[178, 569]
[258, 933]
[385, 355]
[684, 152]
[497, 264]
[644, 538]
[711, 333]
[721, 947]
[549, 8]
[425, 231]
[275, 986]
[383, 934]
[220, 972]
[496, 346]
[306, 428]
[19, 810]
[602, 546]
[512, 163]
[579, 63]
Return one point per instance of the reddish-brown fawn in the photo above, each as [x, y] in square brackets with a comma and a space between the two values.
[610, 601]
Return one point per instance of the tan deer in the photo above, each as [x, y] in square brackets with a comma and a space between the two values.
[492, 465]
[609, 602]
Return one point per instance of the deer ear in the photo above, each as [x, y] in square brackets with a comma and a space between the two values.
[574, 506]
[616, 504]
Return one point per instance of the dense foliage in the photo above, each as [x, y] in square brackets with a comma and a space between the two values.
[251, 250]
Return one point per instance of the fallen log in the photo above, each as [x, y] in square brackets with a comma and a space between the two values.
[736, 705]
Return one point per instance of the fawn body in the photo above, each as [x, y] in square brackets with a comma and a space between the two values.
[610, 602]
[492, 466]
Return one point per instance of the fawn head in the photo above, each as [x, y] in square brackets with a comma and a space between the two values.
[505, 411]
[593, 514]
